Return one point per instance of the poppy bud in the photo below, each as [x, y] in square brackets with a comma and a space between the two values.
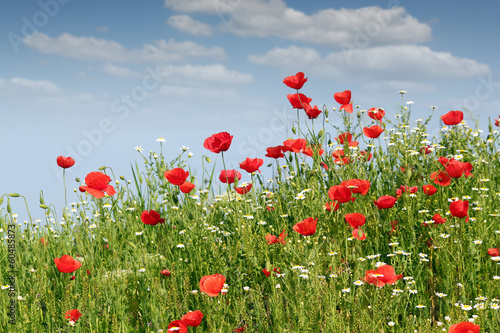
[102, 168]
[44, 207]
[294, 130]
[14, 195]
[77, 179]
[326, 113]
[208, 159]
[122, 178]
[358, 115]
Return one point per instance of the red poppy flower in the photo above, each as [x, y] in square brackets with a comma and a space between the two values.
[355, 219]
[73, 315]
[295, 81]
[385, 202]
[323, 164]
[296, 145]
[345, 137]
[338, 153]
[43, 241]
[176, 176]
[66, 264]
[266, 272]
[376, 113]
[218, 142]
[212, 284]
[464, 327]
[364, 156]
[152, 217]
[271, 239]
[467, 170]
[275, 152]
[228, 176]
[358, 234]
[312, 112]
[344, 98]
[393, 226]
[441, 178]
[373, 132]
[404, 189]
[65, 162]
[383, 275]
[97, 184]
[438, 219]
[186, 187]
[460, 209]
[298, 100]
[310, 151]
[455, 169]
[240, 329]
[453, 117]
[426, 150]
[243, 189]
[165, 272]
[494, 252]
[335, 205]
[497, 122]
[192, 318]
[360, 186]
[251, 164]
[429, 189]
[177, 326]
[306, 227]
[340, 193]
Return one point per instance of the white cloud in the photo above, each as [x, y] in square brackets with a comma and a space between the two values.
[204, 74]
[120, 71]
[394, 62]
[21, 85]
[187, 24]
[93, 49]
[199, 93]
[367, 26]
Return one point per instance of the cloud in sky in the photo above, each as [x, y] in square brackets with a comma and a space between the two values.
[394, 62]
[187, 24]
[93, 49]
[18, 85]
[211, 73]
[331, 27]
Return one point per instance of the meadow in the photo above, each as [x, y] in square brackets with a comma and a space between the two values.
[376, 228]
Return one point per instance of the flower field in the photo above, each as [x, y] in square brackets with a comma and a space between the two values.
[361, 228]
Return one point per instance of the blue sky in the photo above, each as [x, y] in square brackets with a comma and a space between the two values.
[93, 79]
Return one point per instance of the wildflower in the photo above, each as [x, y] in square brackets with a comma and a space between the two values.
[151, 218]
[385, 202]
[384, 274]
[295, 81]
[192, 318]
[420, 306]
[177, 326]
[218, 142]
[229, 176]
[212, 284]
[271, 239]
[176, 176]
[251, 164]
[65, 162]
[355, 219]
[344, 98]
[73, 315]
[97, 183]
[66, 264]
[161, 140]
[306, 227]
[373, 132]
[453, 118]
[459, 209]
[165, 272]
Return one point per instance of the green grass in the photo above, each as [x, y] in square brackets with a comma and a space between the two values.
[225, 234]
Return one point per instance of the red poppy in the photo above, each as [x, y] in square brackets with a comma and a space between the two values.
[404, 189]
[212, 284]
[97, 183]
[346, 137]
[177, 326]
[360, 186]
[310, 151]
[426, 150]
[65, 162]
[176, 176]
[73, 315]
[340, 193]
[438, 219]
[385, 202]
[275, 152]
[455, 169]
[295, 81]
[453, 117]
[298, 100]
[358, 234]
[467, 170]
[376, 113]
[464, 327]
[165, 272]
[312, 112]
[429, 189]
[393, 226]
[152, 217]
[243, 189]
[338, 153]
[324, 165]
[240, 329]
[43, 241]
[441, 178]
[335, 205]
[373, 132]
[66, 264]
[344, 98]
[364, 156]
[228, 176]
[271, 239]
[251, 164]
[460, 209]
[266, 272]
[497, 122]
[192, 318]
[355, 219]
[218, 142]
[383, 275]
[494, 252]
[186, 187]
[306, 227]
[296, 145]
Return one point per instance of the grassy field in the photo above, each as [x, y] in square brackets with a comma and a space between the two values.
[347, 236]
